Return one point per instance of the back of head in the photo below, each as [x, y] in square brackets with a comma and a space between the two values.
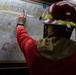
[62, 15]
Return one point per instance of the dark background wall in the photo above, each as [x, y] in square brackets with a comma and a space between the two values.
[46, 1]
[14, 69]
[51, 0]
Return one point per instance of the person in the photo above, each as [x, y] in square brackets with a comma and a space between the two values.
[55, 53]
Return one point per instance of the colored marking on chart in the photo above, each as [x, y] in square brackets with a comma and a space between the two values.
[5, 8]
[6, 29]
[13, 48]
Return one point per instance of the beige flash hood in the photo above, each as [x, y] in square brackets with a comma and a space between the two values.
[55, 48]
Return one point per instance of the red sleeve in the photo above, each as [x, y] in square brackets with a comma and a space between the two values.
[24, 40]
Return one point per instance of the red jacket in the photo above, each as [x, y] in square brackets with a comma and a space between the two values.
[39, 65]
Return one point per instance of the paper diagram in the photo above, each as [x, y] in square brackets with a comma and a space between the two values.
[9, 12]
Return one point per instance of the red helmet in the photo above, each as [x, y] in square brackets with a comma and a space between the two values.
[60, 13]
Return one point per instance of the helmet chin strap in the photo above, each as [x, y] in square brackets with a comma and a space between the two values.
[45, 31]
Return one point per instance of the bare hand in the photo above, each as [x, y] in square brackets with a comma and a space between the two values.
[22, 18]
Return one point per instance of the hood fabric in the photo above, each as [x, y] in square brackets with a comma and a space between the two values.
[55, 48]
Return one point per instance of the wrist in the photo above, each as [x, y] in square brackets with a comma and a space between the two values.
[20, 23]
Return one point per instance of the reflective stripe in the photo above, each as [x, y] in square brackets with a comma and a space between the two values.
[48, 16]
[66, 22]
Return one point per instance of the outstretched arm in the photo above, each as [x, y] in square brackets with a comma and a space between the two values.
[24, 40]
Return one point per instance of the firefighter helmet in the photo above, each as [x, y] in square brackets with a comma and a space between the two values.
[60, 13]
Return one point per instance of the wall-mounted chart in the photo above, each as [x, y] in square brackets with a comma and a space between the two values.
[9, 12]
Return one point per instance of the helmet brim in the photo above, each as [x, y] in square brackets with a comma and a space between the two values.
[67, 24]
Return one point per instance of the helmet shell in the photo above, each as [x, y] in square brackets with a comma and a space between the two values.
[62, 13]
